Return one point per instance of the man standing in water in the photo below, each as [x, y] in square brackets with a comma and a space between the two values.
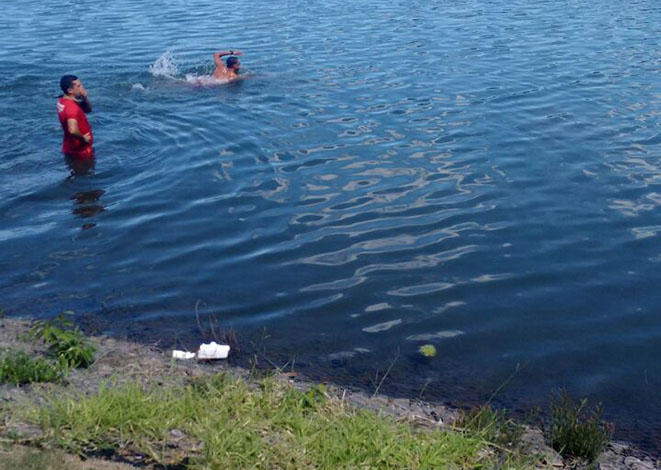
[71, 109]
[230, 71]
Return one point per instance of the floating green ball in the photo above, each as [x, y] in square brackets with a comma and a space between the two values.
[427, 350]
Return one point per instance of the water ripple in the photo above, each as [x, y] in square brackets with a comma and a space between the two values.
[483, 176]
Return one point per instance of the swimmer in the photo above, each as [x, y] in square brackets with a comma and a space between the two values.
[229, 71]
[71, 109]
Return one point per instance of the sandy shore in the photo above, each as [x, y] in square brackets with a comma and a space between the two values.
[122, 361]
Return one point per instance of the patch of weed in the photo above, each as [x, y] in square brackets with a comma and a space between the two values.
[228, 423]
[24, 458]
[20, 368]
[65, 341]
[228, 337]
[491, 425]
[206, 386]
[315, 394]
[29, 459]
[259, 371]
[576, 430]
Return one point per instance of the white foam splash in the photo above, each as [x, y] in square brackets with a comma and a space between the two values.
[164, 66]
[382, 326]
[204, 80]
[138, 86]
[377, 307]
[433, 336]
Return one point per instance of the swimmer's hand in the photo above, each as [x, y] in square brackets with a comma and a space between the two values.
[87, 138]
[236, 52]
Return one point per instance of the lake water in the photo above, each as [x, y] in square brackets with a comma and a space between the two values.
[484, 176]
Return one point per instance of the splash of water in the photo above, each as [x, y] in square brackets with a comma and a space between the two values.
[204, 80]
[164, 66]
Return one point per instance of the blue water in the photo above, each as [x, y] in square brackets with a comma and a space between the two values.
[484, 176]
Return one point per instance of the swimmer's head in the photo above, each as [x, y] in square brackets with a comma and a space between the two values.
[67, 83]
[233, 63]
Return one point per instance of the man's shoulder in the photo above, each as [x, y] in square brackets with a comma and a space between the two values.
[68, 106]
[220, 72]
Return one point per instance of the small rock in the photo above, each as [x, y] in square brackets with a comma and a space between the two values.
[177, 434]
[636, 464]
[535, 439]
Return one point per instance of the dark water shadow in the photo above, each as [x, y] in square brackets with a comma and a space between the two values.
[86, 202]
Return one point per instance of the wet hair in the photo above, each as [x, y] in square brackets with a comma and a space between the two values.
[231, 61]
[66, 82]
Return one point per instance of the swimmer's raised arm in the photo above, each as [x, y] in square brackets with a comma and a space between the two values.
[218, 55]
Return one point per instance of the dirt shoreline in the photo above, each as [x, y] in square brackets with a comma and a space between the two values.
[123, 361]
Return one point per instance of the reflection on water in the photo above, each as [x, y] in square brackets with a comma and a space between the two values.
[84, 200]
[80, 166]
[86, 208]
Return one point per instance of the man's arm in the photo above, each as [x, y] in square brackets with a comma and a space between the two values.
[72, 127]
[85, 104]
[218, 55]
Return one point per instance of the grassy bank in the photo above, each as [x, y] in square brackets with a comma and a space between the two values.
[221, 421]
[135, 405]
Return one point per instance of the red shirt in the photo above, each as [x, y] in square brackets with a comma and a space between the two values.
[71, 145]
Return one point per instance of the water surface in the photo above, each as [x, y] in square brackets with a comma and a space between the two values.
[481, 176]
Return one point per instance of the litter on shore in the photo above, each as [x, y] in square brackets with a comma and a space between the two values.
[207, 352]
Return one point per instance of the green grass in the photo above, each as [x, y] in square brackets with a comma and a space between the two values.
[227, 423]
[20, 368]
[65, 342]
[576, 430]
[491, 425]
[30, 459]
